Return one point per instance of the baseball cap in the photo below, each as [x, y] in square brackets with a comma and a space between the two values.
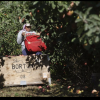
[28, 24]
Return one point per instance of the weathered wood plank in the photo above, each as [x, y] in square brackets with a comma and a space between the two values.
[24, 70]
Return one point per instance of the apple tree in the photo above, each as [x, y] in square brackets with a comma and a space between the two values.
[70, 30]
[10, 19]
[72, 27]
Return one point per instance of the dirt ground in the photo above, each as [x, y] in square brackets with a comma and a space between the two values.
[31, 91]
[56, 89]
[53, 90]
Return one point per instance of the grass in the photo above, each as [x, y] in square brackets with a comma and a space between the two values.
[56, 89]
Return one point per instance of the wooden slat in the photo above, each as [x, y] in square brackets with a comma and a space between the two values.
[24, 70]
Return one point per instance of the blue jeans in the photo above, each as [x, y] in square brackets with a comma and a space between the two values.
[26, 52]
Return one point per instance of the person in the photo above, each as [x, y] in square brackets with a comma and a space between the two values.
[20, 39]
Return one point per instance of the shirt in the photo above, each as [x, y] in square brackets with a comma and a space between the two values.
[20, 38]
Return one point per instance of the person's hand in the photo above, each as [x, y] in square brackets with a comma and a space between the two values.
[23, 34]
[38, 33]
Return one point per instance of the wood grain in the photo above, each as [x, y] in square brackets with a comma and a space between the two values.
[27, 70]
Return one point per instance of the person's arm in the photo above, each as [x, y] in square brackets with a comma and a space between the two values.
[20, 37]
[38, 33]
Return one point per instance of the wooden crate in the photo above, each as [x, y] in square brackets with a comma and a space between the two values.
[24, 70]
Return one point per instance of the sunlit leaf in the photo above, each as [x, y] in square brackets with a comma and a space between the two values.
[97, 39]
[35, 2]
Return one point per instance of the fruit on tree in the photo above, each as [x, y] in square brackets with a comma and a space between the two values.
[72, 4]
[84, 45]
[57, 27]
[61, 26]
[19, 17]
[31, 13]
[69, 13]
[47, 33]
[63, 16]
[85, 63]
[38, 11]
